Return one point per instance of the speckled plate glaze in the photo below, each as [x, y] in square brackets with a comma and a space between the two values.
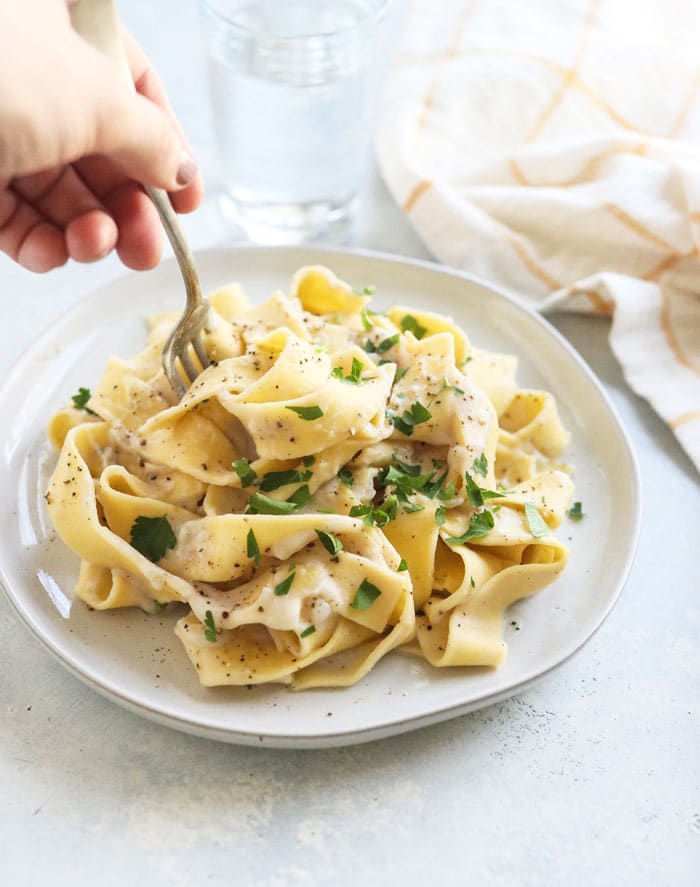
[135, 660]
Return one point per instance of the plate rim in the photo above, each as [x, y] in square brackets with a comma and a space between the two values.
[197, 726]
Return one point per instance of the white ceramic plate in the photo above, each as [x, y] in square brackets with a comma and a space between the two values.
[135, 659]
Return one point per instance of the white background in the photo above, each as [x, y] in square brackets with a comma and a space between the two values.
[590, 778]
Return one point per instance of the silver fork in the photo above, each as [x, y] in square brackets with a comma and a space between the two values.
[96, 22]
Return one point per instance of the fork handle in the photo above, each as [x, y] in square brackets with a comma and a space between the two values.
[96, 22]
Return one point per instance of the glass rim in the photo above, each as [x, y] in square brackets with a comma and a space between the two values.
[369, 21]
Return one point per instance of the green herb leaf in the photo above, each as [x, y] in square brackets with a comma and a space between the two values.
[576, 511]
[284, 586]
[308, 413]
[536, 524]
[402, 567]
[152, 536]
[477, 495]
[369, 347]
[355, 377]
[365, 596]
[331, 543]
[416, 415]
[308, 460]
[440, 514]
[448, 493]
[210, 628]
[471, 582]
[481, 524]
[300, 497]
[473, 491]
[369, 290]
[252, 547]
[345, 477]
[388, 343]
[466, 360]
[273, 480]
[410, 507]
[481, 465]
[80, 400]
[364, 317]
[409, 323]
[307, 631]
[158, 606]
[259, 503]
[245, 472]
[432, 488]
[407, 468]
[400, 373]
[420, 413]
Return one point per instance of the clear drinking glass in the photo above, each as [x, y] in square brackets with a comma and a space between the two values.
[294, 85]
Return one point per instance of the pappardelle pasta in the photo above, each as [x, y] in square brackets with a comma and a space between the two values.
[340, 483]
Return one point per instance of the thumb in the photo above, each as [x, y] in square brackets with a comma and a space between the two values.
[142, 138]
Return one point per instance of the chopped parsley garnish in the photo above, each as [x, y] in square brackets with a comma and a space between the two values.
[307, 631]
[355, 377]
[369, 290]
[410, 507]
[331, 543]
[471, 582]
[388, 343]
[284, 586]
[402, 567]
[252, 547]
[365, 596]
[466, 360]
[364, 317]
[407, 468]
[308, 413]
[432, 488]
[245, 472]
[400, 373]
[447, 493]
[300, 497]
[273, 480]
[447, 386]
[345, 477]
[481, 465]
[416, 415]
[210, 628]
[481, 524]
[152, 536]
[159, 606]
[536, 524]
[308, 460]
[576, 511]
[410, 324]
[376, 517]
[440, 514]
[80, 400]
[259, 503]
[476, 494]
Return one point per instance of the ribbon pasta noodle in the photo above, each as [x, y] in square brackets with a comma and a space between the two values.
[340, 483]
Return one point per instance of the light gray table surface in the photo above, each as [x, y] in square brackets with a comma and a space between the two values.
[589, 778]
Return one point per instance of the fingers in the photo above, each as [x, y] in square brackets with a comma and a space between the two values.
[27, 237]
[140, 234]
[62, 198]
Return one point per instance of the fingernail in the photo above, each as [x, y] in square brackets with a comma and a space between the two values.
[187, 170]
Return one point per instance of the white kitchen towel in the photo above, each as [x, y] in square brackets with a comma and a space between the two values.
[553, 147]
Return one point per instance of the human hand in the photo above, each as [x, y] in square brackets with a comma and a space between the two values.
[75, 143]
